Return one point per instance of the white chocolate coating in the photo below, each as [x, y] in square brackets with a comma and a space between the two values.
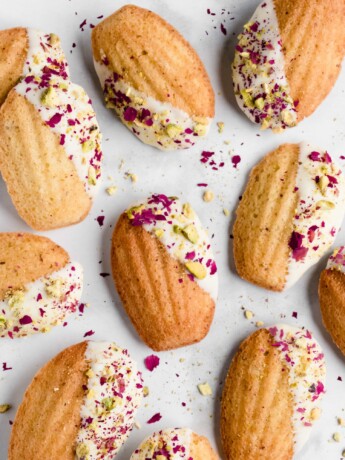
[43, 303]
[337, 260]
[172, 444]
[261, 87]
[156, 123]
[67, 110]
[304, 359]
[171, 222]
[113, 395]
[320, 185]
[44, 55]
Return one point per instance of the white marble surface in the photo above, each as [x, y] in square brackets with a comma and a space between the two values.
[176, 173]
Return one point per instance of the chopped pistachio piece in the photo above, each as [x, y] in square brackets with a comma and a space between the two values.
[191, 233]
[82, 451]
[325, 205]
[87, 146]
[205, 389]
[54, 288]
[134, 210]
[247, 98]
[49, 97]
[220, 125]
[54, 39]
[173, 130]
[248, 314]
[188, 211]
[15, 298]
[92, 176]
[197, 269]
[111, 190]
[260, 103]
[4, 408]
[323, 184]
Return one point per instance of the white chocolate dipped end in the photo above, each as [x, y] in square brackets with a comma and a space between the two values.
[42, 304]
[178, 227]
[261, 87]
[45, 55]
[172, 444]
[113, 395]
[337, 260]
[303, 357]
[156, 123]
[320, 186]
[67, 110]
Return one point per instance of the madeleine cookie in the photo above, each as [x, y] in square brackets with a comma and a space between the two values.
[152, 78]
[25, 51]
[39, 285]
[80, 405]
[175, 444]
[165, 272]
[50, 151]
[289, 215]
[272, 394]
[282, 42]
[332, 297]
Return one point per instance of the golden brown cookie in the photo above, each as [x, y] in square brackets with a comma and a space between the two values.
[178, 441]
[271, 394]
[72, 390]
[26, 51]
[141, 62]
[164, 272]
[332, 297]
[288, 216]
[273, 81]
[50, 151]
[39, 284]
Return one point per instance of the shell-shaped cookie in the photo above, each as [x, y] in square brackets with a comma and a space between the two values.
[175, 444]
[271, 395]
[81, 404]
[165, 272]
[25, 51]
[153, 78]
[272, 76]
[39, 284]
[332, 297]
[288, 216]
[50, 151]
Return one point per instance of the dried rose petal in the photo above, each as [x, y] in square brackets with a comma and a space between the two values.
[155, 418]
[151, 362]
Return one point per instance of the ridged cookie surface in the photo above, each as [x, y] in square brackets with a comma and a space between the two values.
[48, 419]
[167, 292]
[180, 443]
[271, 398]
[288, 216]
[13, 51]
[332, 297]
[82, 404]
[141, 62]
[309, 43]
[256, 408]
[35, 165]
[264, 219]
[24, 258]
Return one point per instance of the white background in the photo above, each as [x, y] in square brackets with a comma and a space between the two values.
[175, 173]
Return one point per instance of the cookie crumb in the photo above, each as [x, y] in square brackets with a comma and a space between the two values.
[208, 196]
[259, 323]
[4, 408]
[111, 190]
